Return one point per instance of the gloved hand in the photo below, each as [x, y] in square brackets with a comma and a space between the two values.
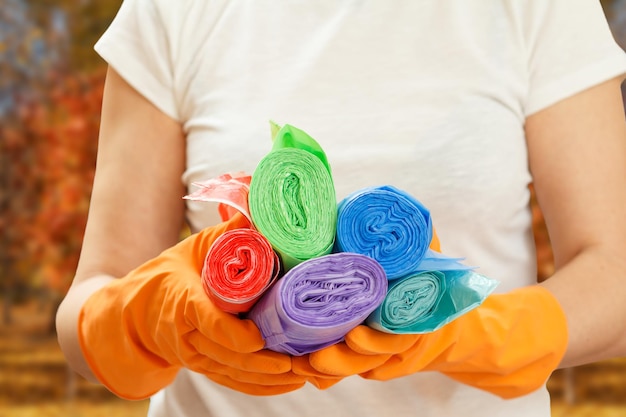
[138, 331]
[325, 374]
[508, 346]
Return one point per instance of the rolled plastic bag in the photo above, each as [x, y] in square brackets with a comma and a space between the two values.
[424, 301]
[239, 267]
[317, 302]
[386, 224]
[292, 198]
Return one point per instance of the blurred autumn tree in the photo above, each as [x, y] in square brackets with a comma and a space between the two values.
[50, 95]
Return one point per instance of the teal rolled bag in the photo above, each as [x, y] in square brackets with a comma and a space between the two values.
[425, 301]
[292, 197]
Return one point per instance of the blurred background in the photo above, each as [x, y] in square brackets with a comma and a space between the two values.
[50, 94]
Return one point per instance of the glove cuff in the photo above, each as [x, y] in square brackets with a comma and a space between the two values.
[529, 338]
[115, 356]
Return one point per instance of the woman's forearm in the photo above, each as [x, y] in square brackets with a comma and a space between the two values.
[591, 291]
[67, 322]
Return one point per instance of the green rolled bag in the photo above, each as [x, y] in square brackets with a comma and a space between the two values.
[292, 197]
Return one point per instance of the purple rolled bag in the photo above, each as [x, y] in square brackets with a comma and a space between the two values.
[316, 303]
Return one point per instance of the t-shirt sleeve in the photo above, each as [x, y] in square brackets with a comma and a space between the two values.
[570, 48]
[137, 45]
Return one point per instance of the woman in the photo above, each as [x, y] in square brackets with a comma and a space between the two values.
[461, 104]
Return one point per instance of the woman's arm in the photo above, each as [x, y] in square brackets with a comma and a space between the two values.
[577, 152]
[136, 207]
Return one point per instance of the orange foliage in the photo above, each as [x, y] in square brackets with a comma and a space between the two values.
[545, 260]
[52, 143]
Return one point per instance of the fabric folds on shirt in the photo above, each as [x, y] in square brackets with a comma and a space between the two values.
[317, 302]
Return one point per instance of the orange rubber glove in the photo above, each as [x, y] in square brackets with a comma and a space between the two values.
[508, 346]
[330, 366]
[138, 331]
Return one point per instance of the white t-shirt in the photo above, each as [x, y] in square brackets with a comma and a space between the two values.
[427, 95]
